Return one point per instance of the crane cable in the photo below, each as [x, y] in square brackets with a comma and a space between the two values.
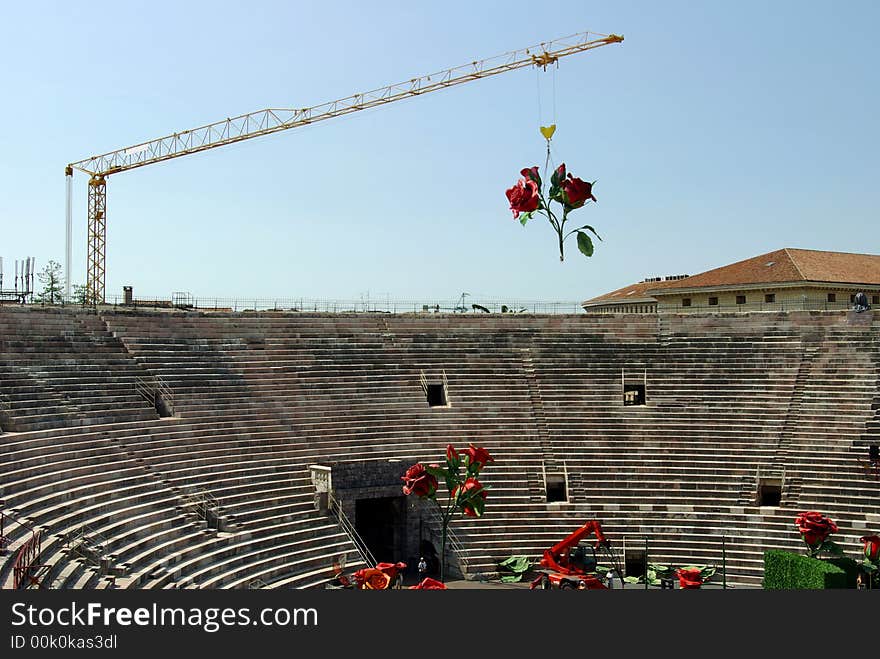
[547, 131]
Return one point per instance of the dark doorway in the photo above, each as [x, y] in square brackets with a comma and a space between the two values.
[429, 552]
[556, 489]
[436, 395]
[634, 562]
[633, 394]
[380, 523]
[769, 492]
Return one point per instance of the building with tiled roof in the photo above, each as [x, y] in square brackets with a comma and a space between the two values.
[784, 279]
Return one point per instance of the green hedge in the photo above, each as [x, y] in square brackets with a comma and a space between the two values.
[785, 570]
[849, 566]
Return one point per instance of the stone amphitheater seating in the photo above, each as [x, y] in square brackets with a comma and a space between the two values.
[65, 369]
[257, 398]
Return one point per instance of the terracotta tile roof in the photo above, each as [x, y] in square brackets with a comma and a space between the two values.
[837, 266]
[632, 292]
[782, 266]
[791, 265]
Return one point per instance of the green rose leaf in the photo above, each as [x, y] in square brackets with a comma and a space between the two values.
[585, 245]
[525, 217]
[831, 548]
[479, 505]
[451, 482]
[436, 472]
[589, 228]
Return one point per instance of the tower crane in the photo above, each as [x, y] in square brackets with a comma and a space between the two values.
[274, 120]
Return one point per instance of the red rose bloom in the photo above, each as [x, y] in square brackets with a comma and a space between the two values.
[451, 453]
[371, 579]
[428, 584]
[531, 174]
[418, 481]
[814, 527]
[872, 546]
[577, 191]
[523, 197]
[689, 579]
[478, 456]
[470, 488]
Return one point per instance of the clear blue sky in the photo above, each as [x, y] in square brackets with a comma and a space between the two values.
[716, 130]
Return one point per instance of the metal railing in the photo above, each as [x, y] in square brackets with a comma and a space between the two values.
[364, 551]
[86, 543]
[452, 541]
[201, 502]
[349, 305]
[146, 391]
[165, 393]
[770, 473]
[475, 305]
[156, 394]
[804, 304]
[27, 569]
[4, 539]
[7, 519]
[638, 551]
[5, 413]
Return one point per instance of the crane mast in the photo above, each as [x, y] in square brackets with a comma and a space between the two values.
[273, 120]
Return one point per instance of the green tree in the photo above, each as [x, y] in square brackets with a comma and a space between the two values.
[80, 294]
[53, 284]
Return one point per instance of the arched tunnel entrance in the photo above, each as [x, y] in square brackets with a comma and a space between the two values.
[381, 522]
[395, 528]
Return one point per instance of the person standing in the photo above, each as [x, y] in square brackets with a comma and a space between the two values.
[423, 568]
[609, 578]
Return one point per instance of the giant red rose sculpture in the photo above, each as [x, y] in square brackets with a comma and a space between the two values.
[470, 491]
[871, 563]
[872, 547]
[523, 197]
[429, 584]
[569, 192]
[466, 493]
[419, 482]
[815, 529]
[689, 578]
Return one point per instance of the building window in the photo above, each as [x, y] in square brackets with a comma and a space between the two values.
[832, 297]
[770, 298]
[852, 298]
[686, 302]
[740, 299]
[713, 301]
[875, 299]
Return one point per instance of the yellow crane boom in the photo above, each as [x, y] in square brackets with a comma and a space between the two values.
[273, 120]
